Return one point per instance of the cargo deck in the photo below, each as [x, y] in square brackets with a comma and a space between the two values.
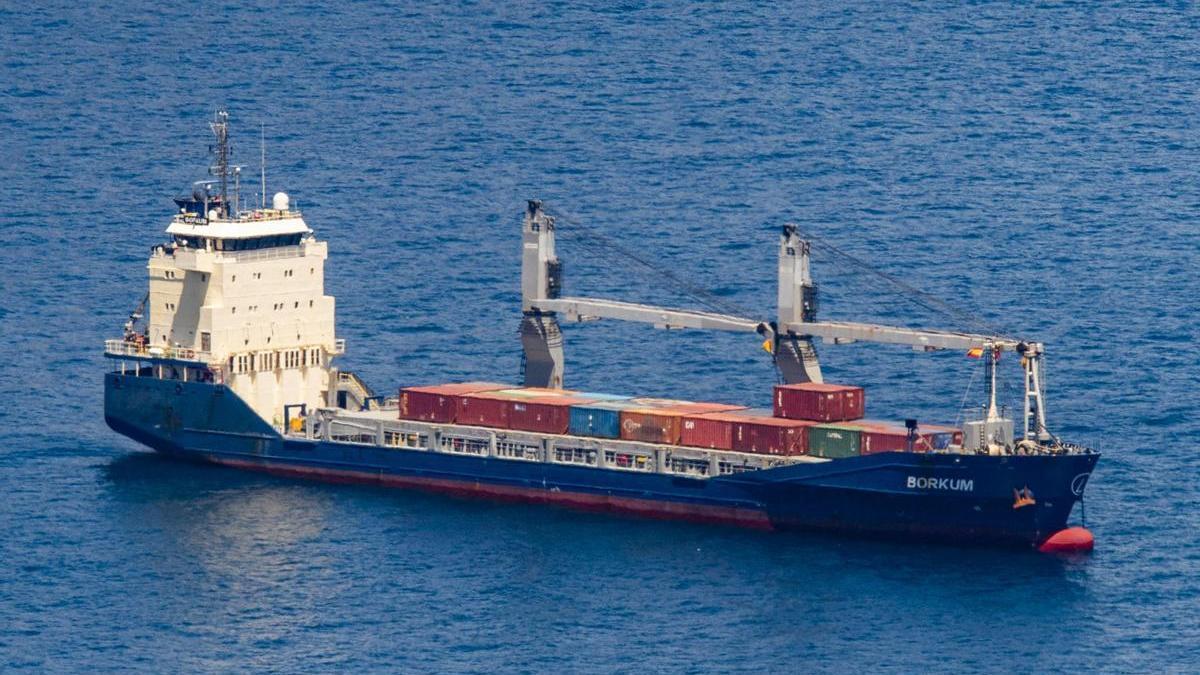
[380, 427]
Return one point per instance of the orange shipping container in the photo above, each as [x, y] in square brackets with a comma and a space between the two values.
[649, 425]
[657, 420]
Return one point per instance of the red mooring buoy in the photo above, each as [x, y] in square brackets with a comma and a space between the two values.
[1070, 540]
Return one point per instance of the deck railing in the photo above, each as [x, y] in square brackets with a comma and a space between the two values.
[133, 349]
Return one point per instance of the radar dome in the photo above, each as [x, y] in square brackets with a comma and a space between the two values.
[280, 201]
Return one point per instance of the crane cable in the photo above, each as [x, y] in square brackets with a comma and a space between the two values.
[910, 292]
[597, 242]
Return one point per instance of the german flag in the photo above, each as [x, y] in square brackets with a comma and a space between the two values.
[975, 353]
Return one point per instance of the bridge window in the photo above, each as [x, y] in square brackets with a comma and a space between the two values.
[256, 243]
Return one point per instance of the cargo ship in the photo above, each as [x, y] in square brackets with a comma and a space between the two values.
[231, 359]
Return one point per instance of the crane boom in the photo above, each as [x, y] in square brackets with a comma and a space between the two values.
[792, 332]
[838, 332]
[583, 309]
[841, 332]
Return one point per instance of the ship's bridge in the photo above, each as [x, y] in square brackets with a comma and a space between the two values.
[261, 228]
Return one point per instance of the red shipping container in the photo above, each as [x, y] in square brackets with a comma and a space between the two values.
[538, 391]
[819, 402]
[943, 436]
[892, 437]
[712, 430]
[483, 410]
[883, 437]
[772, 436]
[438, 403]
[543, 414]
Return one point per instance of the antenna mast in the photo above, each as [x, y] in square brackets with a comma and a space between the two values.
[262, 146]
[220, 129]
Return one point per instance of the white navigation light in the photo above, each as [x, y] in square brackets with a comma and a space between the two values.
[280, 201]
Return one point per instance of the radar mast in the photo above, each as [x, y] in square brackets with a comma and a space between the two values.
[221, 151]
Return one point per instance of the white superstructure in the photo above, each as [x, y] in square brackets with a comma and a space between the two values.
[247, 296]
[238, 297]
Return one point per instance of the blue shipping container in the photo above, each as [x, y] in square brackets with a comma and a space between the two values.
[601, 397]
[600, 420]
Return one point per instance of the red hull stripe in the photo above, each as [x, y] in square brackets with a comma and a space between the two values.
[646, 508]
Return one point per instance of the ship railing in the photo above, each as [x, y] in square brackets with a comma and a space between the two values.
[369, 428]
[255, 216]
[138, 350]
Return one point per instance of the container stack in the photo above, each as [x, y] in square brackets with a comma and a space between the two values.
[823, 420]
[656, 420]
[544, 411]
[439, 403]
[601, 419]
[752, 431]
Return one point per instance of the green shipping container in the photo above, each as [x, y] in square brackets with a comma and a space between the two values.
[833, 441]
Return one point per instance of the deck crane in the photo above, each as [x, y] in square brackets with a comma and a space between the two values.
[792, 332]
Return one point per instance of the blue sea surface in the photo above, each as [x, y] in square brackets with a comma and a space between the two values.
[1035, 164]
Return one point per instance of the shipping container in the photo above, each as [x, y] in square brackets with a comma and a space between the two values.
[884, 437]
[893, 437]
[819, 402]
[942, 437]
[483, 409]
[650, 425]
[439, 403]
[600, 420]
[772, 436]
[711, 430]
[546, 414]
[834, 440]
[537, 392]
[656, 420]
[602, 397]
[684, 407]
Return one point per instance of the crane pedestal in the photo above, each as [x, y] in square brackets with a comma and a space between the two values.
[542, 341]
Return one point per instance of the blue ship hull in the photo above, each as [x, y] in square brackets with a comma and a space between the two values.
[943, 497]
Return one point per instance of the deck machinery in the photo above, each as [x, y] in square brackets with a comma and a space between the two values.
[235, 366]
